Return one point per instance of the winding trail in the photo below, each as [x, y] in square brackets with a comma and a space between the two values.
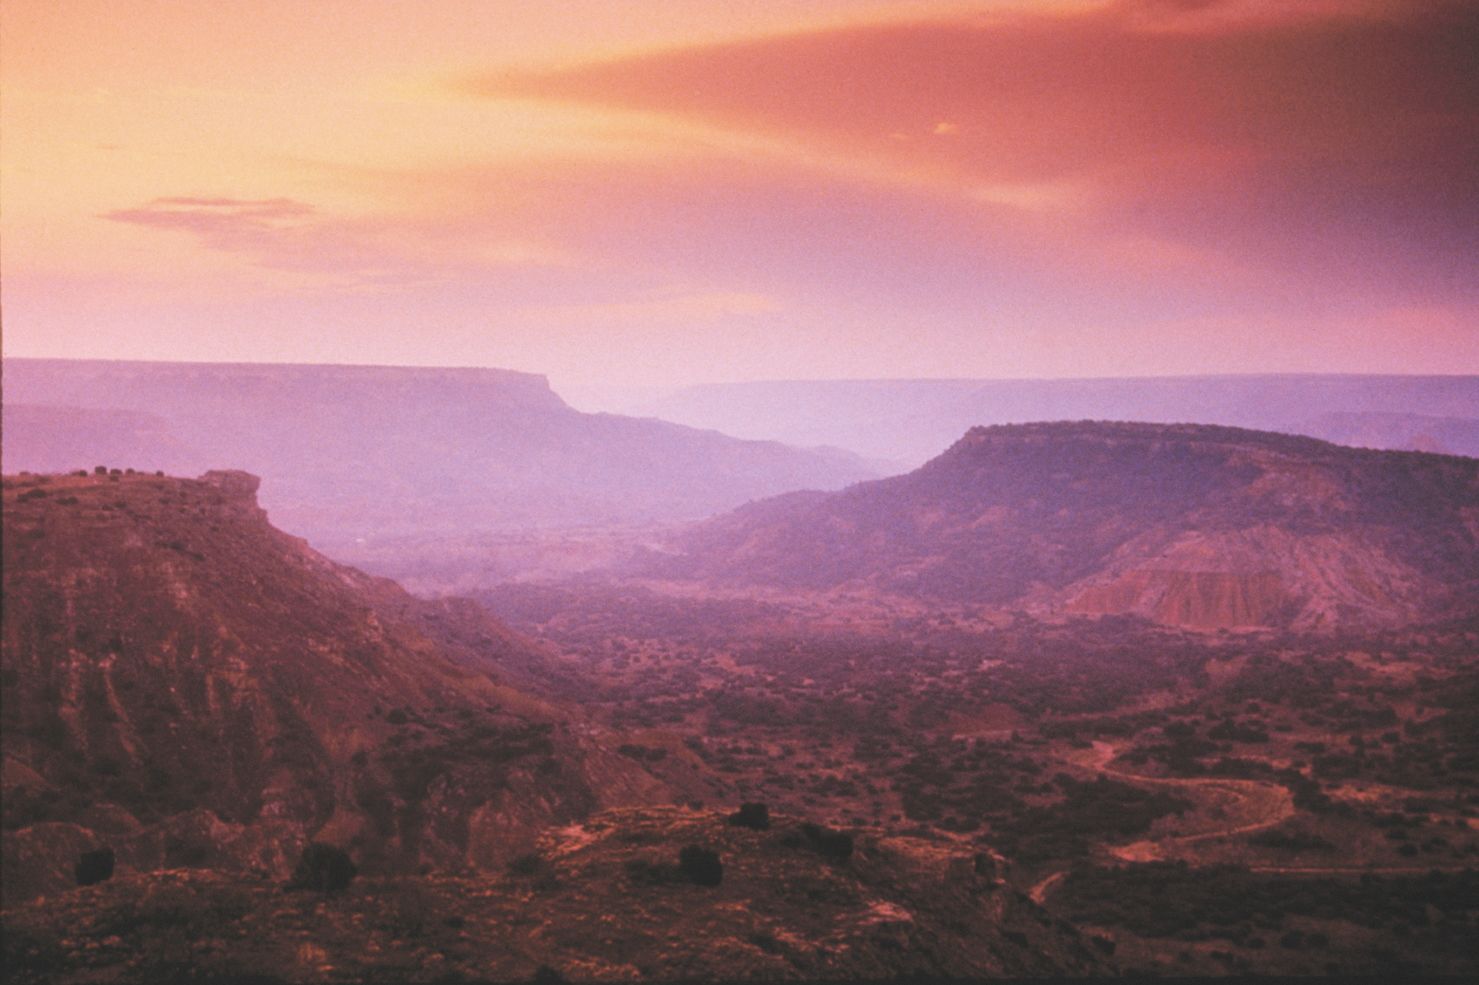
[1039, 892]
[1260, 804]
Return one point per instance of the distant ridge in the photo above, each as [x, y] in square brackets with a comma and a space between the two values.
[1195, 525]
[354, 452]
[909, 421]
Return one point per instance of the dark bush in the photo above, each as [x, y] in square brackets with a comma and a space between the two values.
[751, 815]
[323, 868]
[834, 845]
[766, 941]
[100, 470]
[94, 867]
[701, 866]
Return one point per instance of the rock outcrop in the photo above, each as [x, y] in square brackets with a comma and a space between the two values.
[1198, 526]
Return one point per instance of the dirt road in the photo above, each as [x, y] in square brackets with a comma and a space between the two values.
[1251, 805]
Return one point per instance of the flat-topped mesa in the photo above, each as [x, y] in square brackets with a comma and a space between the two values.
[360, 455]
[1139, 432]
[242, 692]
[1194, 525]
[169, 387]
[234, 483]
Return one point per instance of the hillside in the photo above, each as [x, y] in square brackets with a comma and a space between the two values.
[188, 685]
[1200, 526]
[595, 903]
[910, 421]
[354, 453]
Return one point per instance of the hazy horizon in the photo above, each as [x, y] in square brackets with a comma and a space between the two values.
[585, 390]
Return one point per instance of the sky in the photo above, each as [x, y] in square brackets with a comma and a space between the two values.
[628, 193]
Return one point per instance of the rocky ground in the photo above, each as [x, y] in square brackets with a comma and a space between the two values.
[602, 900]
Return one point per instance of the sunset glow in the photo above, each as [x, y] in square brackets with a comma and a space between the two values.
[604, 193]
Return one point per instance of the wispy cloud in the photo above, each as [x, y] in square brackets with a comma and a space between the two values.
[368, 252]
[232, 224]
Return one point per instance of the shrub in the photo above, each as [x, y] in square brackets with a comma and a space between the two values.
[100, 470]
[701, 865]
[766, 941]
[751, 815]
[94, 867]
[834, 845]
[323, 868]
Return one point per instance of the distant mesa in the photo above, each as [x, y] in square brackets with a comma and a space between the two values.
[910, 421]
[1198, 526]
[354, 452]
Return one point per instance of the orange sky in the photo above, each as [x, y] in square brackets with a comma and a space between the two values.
[749, 190]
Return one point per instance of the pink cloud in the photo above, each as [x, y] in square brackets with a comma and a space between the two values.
[1335, 136]
[367, 252]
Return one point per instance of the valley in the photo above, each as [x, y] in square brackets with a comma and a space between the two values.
[1081, 753]
[787, 491]
[965, 775]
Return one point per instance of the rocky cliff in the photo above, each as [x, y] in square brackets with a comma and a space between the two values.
[190, 686]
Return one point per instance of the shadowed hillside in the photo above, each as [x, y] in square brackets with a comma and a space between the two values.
[189, 686]
[600, 902]
[1193, 525]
